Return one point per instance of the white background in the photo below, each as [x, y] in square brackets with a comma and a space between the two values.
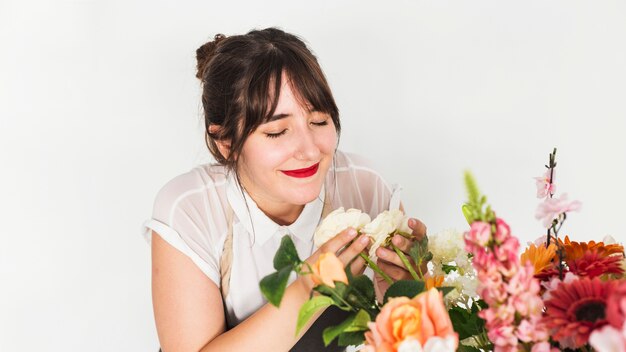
[99, 107]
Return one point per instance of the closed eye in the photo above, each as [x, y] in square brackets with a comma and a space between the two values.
[275, 135]
[321, 123]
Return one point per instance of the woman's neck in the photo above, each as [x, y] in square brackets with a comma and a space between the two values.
[284, 215]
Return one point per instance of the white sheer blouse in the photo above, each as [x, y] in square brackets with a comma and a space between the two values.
[190, 214]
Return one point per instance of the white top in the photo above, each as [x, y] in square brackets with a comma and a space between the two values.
[190, 214]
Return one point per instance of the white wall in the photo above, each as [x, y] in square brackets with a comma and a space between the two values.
[99, 107]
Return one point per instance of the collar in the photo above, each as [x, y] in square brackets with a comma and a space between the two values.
[248, 213]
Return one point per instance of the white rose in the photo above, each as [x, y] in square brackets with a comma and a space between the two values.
[385, 223]
[338, 221]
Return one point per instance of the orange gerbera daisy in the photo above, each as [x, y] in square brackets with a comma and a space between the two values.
[575, 250]
[577, 308]
[542, 258]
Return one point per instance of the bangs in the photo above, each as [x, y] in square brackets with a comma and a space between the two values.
[306, 80]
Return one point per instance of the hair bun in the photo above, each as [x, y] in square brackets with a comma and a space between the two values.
[205, 53]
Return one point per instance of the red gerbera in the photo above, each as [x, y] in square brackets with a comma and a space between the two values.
[577, 308]
[594, 263]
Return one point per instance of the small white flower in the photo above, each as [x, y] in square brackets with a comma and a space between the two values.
[337, 221]
[440, 344]
[447, 245]
[608, 239]
[410, 345]
[386, 223]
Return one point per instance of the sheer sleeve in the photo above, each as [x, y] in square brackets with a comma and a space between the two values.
[356, 184]
[182, 216]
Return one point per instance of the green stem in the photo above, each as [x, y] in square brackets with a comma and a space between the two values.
[406, 263]
[375, 267]
[338, 297]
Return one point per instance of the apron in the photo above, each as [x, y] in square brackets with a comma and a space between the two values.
[312, 340]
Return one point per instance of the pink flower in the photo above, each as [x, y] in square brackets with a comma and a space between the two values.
[479, 233]
[508, 250]
[609, 339]
[544, 187]
[503, 231]
[525, 331]
[551, 208]
[616, 306]
[543, 347]
[554, 283]
[503, 337]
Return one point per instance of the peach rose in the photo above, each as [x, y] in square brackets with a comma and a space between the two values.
[328, 269]
[420, 318]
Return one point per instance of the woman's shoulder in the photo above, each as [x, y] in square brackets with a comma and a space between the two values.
[356, 183]
[355, 163]
[194, 186]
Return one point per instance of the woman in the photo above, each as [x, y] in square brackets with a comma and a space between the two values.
[273, 127]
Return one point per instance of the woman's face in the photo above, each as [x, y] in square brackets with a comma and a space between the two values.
[285, 160]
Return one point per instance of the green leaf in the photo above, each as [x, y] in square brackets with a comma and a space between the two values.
[360, 322]
[407, 288]
[480, 304]
[365, 288]
[352, 330]
[331, 332]
[465, 323]
[473, 194]
[338, 294]
[468, 213]
[309, 308]
[351, 338]
[463, 348]
[273, 285]
[446, 289]
[419, 251]
[287, 255]
[448, 268]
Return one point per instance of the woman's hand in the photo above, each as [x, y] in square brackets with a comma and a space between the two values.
[391, 264]
[345, 251]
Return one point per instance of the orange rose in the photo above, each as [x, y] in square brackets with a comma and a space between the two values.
[401, 319]
[328, 269]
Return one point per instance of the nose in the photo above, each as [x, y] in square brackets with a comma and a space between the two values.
[306, 146]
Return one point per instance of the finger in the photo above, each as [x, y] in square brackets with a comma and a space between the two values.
[418, 227]
[357, 266]
[404, 244]
[339, 241]
[394, 271]
[354, 249]
[389, 256]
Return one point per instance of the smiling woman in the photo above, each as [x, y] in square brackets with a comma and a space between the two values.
[272, 126]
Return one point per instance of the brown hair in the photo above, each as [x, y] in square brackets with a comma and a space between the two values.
[241, 80]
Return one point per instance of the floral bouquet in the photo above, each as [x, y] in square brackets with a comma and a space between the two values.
[476, 293]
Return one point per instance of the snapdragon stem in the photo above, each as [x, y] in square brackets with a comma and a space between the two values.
[406, 263]
[375, 267]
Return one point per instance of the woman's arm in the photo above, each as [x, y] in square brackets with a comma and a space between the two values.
[189, 312]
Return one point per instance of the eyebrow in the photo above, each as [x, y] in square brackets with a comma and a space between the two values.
[277, 117]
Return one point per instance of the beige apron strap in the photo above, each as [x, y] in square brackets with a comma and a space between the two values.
[226, 259]
[327, 209]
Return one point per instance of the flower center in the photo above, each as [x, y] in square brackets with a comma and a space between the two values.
[591, 310]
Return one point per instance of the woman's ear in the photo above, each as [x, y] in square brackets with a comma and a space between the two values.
[223, 145]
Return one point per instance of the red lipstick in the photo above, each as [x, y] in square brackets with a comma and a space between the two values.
[301, 173]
